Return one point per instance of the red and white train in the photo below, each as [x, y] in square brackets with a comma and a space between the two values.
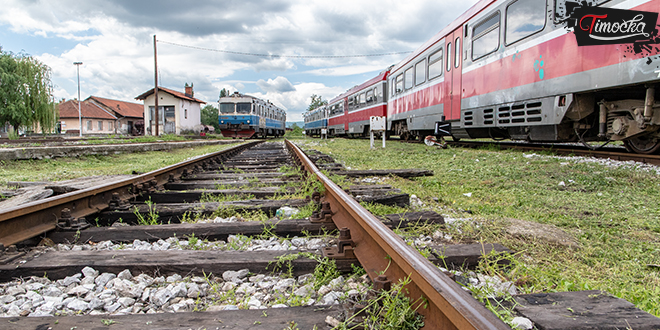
[511, 69]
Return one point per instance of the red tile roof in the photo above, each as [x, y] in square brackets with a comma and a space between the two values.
[180, 95]
[121, 108]
[69, 109]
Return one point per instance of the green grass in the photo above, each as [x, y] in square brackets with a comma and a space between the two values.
[70, 168]
[613, 213]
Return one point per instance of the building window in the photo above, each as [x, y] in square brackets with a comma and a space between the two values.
[110, 126]
[185, 114]
[100, 125]
[89, 125]
[523, 18]
[486, 36]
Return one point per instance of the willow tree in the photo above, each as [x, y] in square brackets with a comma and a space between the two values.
[26, 93]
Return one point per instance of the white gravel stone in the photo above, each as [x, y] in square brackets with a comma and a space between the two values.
[15, 290]
[174, 278]
[521, 323]
[90, 272]
[125, 301]
[125, 275]
[78, 305]
[103, 279]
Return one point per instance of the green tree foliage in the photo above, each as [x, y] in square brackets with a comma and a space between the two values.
[317, 101]
[224, 93]
[296, 131]
[26, 95]
[210, 116]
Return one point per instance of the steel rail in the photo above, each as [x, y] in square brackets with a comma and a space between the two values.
[32, 219]
[444, 303]
[565, 150]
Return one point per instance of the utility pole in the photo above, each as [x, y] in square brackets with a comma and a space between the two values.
[77, 64]
[156, 85]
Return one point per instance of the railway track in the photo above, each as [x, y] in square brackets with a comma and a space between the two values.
[614, 153]
[84, 263]
[251, 168]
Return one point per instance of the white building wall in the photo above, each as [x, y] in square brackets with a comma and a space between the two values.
[191, 123]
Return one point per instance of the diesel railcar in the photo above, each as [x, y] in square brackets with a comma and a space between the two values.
[348, 114]
[511, 69]
[316, 120]
[246, 116]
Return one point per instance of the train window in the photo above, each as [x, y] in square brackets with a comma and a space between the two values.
[420, 72]
[370, 96]
[399, 83]
[457, 56]
[226, 107]
[523, 18]
[408, 78]
[448, 57]
[243, 107]
[363, 99]
[435, 64]
[486, 36]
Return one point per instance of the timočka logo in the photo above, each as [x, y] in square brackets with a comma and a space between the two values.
[603, 26]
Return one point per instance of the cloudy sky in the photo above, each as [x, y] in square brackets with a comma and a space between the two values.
[114, 40]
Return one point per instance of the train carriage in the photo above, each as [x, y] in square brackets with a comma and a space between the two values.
[316, 120]
[511, 69]
[246, 116]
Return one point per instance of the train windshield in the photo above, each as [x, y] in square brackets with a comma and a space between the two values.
[226, 107]
[243, 107]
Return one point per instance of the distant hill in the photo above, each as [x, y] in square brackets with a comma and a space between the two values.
[299, 123]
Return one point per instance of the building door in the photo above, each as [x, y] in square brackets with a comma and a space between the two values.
[170, 121]
[129, 127]
[453, 80]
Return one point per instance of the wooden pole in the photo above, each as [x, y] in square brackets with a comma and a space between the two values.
[155, 85]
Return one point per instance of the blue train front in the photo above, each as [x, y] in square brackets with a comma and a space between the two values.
[315, 121]
[246, 116]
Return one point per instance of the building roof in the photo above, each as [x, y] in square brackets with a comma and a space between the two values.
[88, 109]
[121, 108]
[174, 93]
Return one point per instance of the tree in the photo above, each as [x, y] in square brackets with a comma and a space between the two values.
[26, 94]
[317, 101]
[210, 116]
[224, 93]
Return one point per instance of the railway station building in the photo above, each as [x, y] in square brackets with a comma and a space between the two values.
[178, 113]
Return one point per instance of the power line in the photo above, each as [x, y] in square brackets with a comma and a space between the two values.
[281, 56]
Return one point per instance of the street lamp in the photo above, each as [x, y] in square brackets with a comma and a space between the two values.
[77, 64]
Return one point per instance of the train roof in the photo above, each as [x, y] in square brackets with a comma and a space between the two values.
[237, 95]
[381, 76]
[475, 9]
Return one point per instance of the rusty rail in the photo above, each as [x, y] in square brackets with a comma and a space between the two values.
[33, 219]
[379, 249]
[567, 150]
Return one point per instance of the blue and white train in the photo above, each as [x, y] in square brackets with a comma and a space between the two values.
[316, 120]
[246, 116]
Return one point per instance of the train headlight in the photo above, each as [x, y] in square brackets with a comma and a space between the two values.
[222, 122]
[248, 121]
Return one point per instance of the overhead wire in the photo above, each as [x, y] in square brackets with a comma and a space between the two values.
[281, 56]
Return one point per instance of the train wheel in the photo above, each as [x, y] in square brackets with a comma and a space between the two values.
[643, 145]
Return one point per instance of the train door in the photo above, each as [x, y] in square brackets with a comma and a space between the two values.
[345, 117]
[453, 81]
